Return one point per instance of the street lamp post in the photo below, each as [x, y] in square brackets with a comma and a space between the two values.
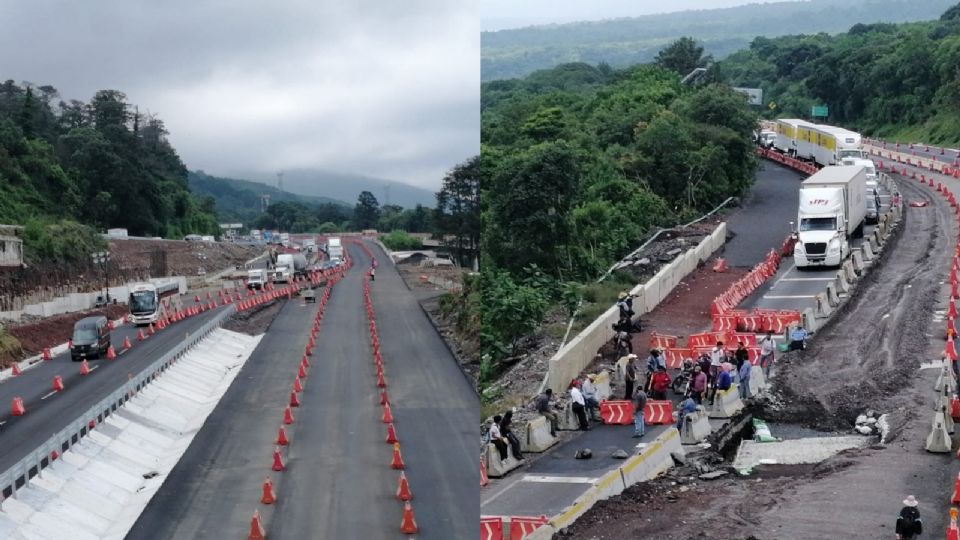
[102, 258]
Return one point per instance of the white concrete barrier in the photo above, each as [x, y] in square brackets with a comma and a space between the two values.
[809, 320]
[867, 252]
[841, 283]
[857, 262]
[727, 403]
[947, 378]
[696, 427]
[758, 381]
[832, 296]
[536, 437]
[938, 441]
[568, 420]
[496, 467]
[848, 271]
[823, 306]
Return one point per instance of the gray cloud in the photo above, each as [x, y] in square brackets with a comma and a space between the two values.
[370, 87]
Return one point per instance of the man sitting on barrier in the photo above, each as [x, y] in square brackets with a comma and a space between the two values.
[497, 438]
[589, 391]
[543, 407]
[506, 429]
[798, 337]
[724, 380]
[688, 406]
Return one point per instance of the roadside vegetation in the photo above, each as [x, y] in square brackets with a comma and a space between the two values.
[579, 164]
[896, 81]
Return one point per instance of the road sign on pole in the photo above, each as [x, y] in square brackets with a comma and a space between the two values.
[820, 111]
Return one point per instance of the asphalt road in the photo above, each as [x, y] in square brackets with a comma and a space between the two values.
[49, 412]
[763, 219]
[214, 489]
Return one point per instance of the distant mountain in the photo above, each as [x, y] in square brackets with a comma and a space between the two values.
[347, 187]
[621, 42]
[238, 201]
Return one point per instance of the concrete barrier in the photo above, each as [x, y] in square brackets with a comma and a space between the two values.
[536, 437]
[727, 403]
[867, 252]
[946, 378]
[857, 262]
[696, 427]
[652, 461]
[568, 420]
[809, 320]
[848, 271]
[577, 354]
[823, 308]
[832, 296]
[758, 381]
[496, 467]
[602, 383]
[876, 241]
[841, 283]
[938, 441]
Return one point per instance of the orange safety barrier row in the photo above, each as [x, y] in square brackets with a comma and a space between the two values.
[784, 159]
[742, 288]
[662, 341]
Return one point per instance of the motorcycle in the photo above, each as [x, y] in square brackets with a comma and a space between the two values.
[681, 383]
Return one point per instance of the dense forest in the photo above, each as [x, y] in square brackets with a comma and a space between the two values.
[628, 41]
[578, 163]
[897, 81]
[101, 164]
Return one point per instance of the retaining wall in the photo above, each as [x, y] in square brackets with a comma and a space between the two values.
[577, 354]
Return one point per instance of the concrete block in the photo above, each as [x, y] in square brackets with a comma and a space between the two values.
[841, 283]
[823, 308]
[568, 420]
[758, 381]
[856, 260]
[848, 271]
[727, 403]
[696, 427]
[537, 437]
[496, 467]
[602, 383]
[876, 241]
[832, 295]
[809, 320]
[867, 252]
[938, 440]
[947, 379]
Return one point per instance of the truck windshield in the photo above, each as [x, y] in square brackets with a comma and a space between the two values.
[852, 154]
[83, 335]
[143, 302]
[818, 224]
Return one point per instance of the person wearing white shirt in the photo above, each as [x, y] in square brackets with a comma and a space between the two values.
[497, 439]
[579, 406]
[590, 399]
[717, 356]
[767, 348]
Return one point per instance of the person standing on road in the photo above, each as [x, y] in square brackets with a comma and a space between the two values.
[798, 338]
[744, 372]
[704, 363]
[579, 407]
[589, 391]
[506, 429]
[698, 385]
[625, 303]
[654, 361]
[629, 376]
[908, 521]
[767, 349]
[659, 383]
[717, 357]
[373, 274]
[639, 403]
[741, 354]
[543, 407]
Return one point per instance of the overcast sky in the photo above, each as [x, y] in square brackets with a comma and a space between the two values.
[500, 14]
[382, 88]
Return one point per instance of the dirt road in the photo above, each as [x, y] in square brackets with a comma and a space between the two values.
[867, 357]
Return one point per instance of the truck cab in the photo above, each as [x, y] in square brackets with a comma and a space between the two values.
[832, 210]
[256, 279]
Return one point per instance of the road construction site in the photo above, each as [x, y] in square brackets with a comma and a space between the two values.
[187, 422]
[878, 351]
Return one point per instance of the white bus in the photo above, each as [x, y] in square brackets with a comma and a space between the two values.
[145, 301]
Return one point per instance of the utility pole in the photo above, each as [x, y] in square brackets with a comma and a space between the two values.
[102, 258]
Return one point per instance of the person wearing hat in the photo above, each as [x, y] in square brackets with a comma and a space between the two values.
[629, 376]
[589, 391]
[625, 303]
[908, 522]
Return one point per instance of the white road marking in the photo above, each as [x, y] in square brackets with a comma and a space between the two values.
[810, 279]
[94, 368]
[559, 479]
[788, 297]
[49, 394]
[785, 274]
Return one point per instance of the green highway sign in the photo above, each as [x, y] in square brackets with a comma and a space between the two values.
[819, 111]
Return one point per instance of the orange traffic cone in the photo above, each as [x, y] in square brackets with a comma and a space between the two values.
[950, 350]
[287, 416]
[151, 330]
[391, 434]
[408, 525]
[309, 350]
[84, 368]
[256, 527]
[387, 414]
[54, 455]
[269, 496]
[294, 399]
[140, 336]
[46, 354]
[297, 387]
[305, 362]
[302, 373]
[384, 399]
[403, 489]
[16, 369]
[278, 461]
[381, 383]
[17, 408]
[397, 462]
[282, 437]
[57, 383]
[111, 354]
[126, 342]
[955, 498]
[953, 532]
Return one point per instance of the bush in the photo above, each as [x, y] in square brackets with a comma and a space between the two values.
[401, 241]
[63, 241]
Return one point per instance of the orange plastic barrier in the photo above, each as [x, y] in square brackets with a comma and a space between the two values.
[658, 412]
[616, 412]
[521, 526]
[491, 528]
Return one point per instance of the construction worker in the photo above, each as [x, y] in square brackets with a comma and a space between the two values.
[908, 521]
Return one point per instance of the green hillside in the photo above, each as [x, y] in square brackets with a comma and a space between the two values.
[896, 81]
[238, 201]
[627, 41]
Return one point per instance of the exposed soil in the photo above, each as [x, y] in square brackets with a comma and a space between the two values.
[257, 320]
[34, 336]
[182, 258]
[867, 357]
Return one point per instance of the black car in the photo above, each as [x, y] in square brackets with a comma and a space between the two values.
[91, 338]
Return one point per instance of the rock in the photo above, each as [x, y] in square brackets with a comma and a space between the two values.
[620, 454]
[871, 421]
[585, 453]
[642, 262]
[679, 458]
[864, 430]
[862, 419]
[713, 475]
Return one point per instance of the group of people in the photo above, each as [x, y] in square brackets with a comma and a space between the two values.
[502, 436]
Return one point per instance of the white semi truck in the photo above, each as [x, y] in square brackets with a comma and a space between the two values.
[289, 265]
[335, 250]
[832, 210]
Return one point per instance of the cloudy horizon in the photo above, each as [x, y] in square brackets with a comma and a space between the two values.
[376, 89]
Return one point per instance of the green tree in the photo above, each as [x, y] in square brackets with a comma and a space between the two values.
[683, 56]
[366, 214]
[457, 215]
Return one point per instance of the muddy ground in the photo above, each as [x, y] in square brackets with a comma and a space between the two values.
[51, 331]
[182, 258]
[866, 358]
[257, 320]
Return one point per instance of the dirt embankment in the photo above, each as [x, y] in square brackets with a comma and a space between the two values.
[179, 258]
[52, 331]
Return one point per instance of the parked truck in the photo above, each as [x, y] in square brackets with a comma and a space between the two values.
[335, 250]
[289, 265]
[832, 210]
